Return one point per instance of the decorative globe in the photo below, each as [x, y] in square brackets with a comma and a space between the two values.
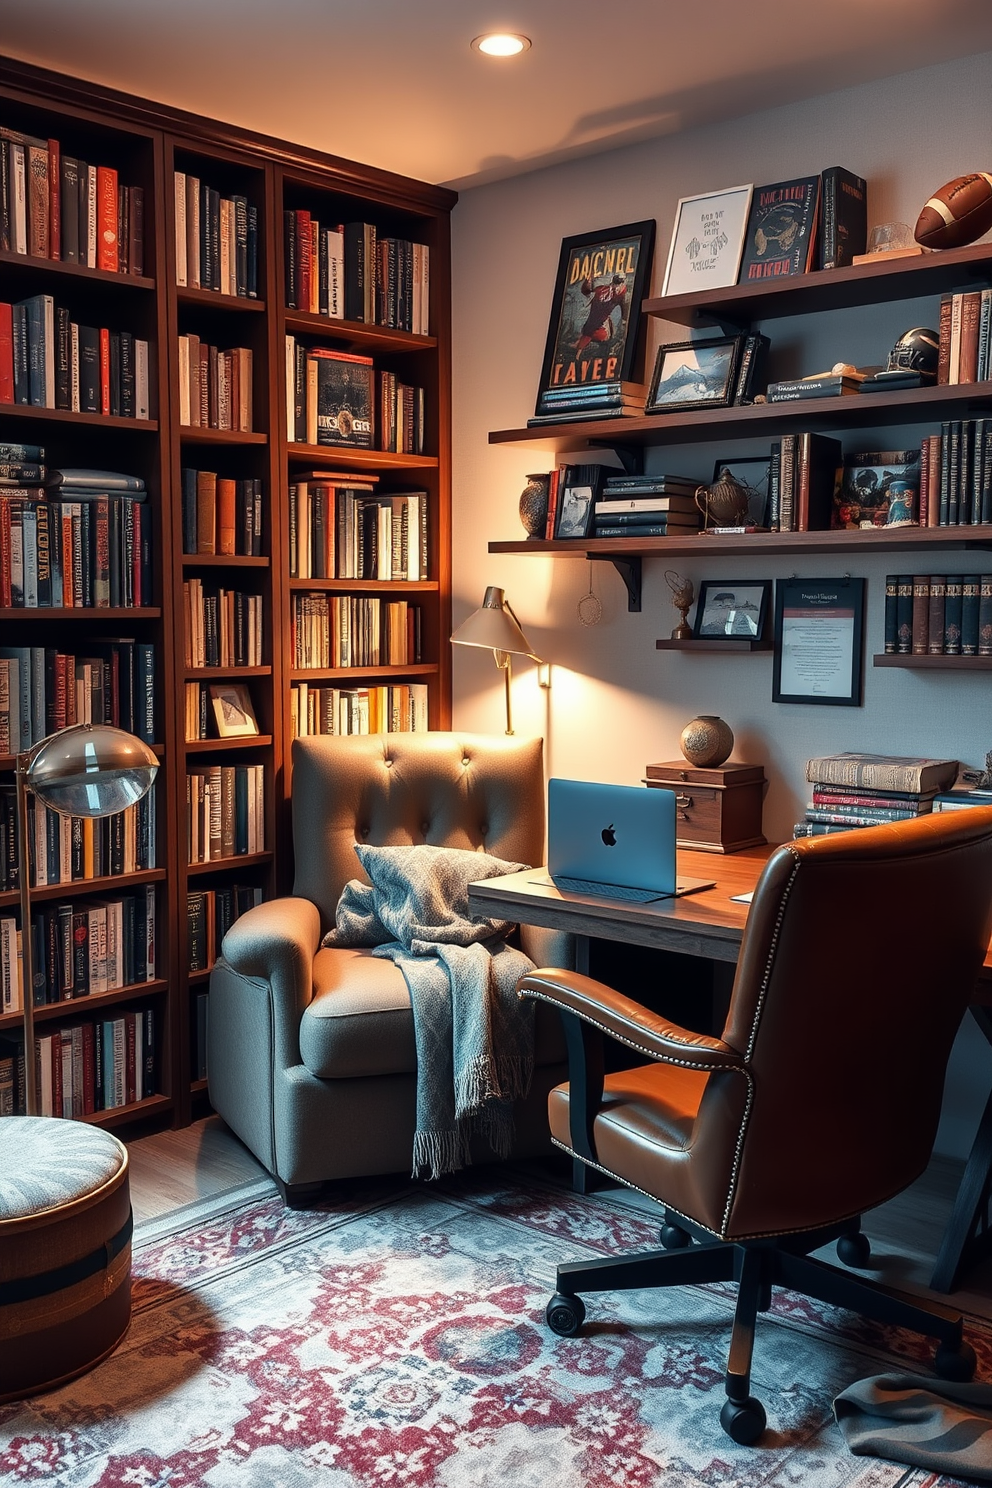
[707, 741]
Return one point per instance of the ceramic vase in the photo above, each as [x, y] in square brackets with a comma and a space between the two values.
[534, 505]
[707, 741]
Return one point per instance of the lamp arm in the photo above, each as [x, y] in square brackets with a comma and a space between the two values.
[507, 606]
[27, 956]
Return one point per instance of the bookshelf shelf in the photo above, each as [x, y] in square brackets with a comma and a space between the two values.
[906, 540]
[152, 1105]
[715, 643]
[190, 434]
[73, 271]
[212, 746]
[94, 1001]
[355, 675]
[81, 612]
[198, 1087]
[359, 337]
[199, 978]
[224, 865]
[935, 663]
[352, 459]
[208, 674]
[214, 300]
[111, 882]
[366, 586]
[223, 560]
[104, 421]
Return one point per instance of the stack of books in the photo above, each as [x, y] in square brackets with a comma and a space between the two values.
[339, 528]
[610, 398]
[353, 630]
[222, 627]
[870, 790]
[221, 515]
[646, 506]
[225, 812]
[329, 396]
[393, 708]
[43, 689]
[956, 474]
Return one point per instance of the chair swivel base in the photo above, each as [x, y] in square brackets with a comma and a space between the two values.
[757, 1266]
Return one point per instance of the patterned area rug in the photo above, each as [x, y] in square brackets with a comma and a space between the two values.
[395, 1336]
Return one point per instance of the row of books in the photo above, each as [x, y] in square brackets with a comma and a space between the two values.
[80, 948]
[43, 689]
[92, 554]
[216, 239]
[225, 812]
[349, 272]
[210, 913]
[72, 849]
[641, 505]
[57, 206]
[401, 416]
[964, 337]
[339, 528]
[398, 708]
[215, 387]
[868, 790]
[956, 474]
[938, 614]
[82, 1068]
[48, 360]
[329, 396]
[348, 630]
[221, 515]
[222, 627]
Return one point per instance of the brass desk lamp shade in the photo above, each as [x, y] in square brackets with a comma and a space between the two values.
[495, 627]
[89, 770]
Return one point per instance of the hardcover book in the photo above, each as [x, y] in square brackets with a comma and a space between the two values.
[843, 217]
[781, 230]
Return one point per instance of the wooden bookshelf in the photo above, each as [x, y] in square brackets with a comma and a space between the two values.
[147, 143]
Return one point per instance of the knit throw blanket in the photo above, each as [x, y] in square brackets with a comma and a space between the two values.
[934, 1424]
[474, 1036]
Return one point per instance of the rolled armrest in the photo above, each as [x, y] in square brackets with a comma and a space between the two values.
[628, 1021]
[277, 942]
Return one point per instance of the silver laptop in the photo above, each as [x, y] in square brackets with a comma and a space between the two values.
[615, 841]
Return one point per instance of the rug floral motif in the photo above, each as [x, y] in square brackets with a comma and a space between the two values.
[395, 1336]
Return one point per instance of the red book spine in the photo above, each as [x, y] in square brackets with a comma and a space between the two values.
[304, 254]
[104, 371]
[107, 256]
[54, 200]
[6, 353]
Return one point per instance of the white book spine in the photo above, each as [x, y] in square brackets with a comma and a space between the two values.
[74, 367]
[19, 196]
[181, 267]
[291, 388]
[193, 232]
[335, 275]
[142, 404]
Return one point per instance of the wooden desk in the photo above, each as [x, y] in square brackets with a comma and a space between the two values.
[710, 924]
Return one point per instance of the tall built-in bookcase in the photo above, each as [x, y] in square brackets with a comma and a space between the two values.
[148, 144]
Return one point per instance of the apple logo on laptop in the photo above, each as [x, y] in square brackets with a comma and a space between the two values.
[609, 836]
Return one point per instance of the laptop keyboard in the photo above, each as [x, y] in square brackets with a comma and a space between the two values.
[606, 890]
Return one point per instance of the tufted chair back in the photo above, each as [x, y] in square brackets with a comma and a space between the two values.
[473, 791]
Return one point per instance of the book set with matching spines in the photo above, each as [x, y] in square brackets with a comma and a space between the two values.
[341, 527]
[396, 708]
[49, 360]
[216, 239]
[86, 1067]
[938, 614]
[350, 272]
[956, 474]
[210, 913]
[965, 337]
[56, 206]
[221, 515]
[225, 812]
[81, 947]
[222, 627]
[851, 791]
[215, 387]
[43, 689]
[349, 630]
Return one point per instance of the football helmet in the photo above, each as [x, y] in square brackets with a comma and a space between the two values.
[915, 351]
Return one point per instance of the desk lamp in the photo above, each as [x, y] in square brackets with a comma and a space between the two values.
[87, 770]
[496, 628]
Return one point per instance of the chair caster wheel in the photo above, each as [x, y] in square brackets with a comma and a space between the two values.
[854, 1250]
[565, 1315]
[743, 1420]
[955, 1363]
[673, 1237]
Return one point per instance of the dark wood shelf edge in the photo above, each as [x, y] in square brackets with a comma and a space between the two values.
[721, 643]
[72, 1006]
[218, 865]
[152, 1105]
[934, 663]
[189, 294]
[75, 270]
[360, 332]
[109, 883]
[882, 540]
[208, 746]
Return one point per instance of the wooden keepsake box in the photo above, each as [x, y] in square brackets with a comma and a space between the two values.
[719, 810]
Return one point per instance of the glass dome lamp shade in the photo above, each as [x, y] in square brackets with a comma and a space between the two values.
[91, 770]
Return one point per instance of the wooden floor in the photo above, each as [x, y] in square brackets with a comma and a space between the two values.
[174, 1168]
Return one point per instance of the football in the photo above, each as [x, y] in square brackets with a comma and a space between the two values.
[957, 214]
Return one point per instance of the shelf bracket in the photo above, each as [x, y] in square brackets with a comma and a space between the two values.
[631, 456]
[629, 569]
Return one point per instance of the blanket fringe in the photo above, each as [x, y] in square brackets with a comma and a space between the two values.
[491, 1078]
[438, 1152]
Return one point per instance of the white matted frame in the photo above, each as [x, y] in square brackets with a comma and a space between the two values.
[707, 240]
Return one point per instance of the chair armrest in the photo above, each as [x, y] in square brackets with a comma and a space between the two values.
[277, 942]
[627, 1021]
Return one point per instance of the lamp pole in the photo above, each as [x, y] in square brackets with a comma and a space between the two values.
[27, 949]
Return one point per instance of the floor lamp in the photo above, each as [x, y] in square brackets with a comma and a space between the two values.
[87, 770]
[495, 627]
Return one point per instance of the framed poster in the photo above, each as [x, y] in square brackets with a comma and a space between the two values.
[819, 640]
[707, 241]
[595, 314]
[694, 374]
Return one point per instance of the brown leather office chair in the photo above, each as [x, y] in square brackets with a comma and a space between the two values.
[819, 1100]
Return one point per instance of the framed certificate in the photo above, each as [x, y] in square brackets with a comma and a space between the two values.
[819, 640]
[707, 241]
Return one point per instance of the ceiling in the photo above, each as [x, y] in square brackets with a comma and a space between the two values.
[395, 84]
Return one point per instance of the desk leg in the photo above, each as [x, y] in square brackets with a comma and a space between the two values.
[582, 954]
[968, 1236]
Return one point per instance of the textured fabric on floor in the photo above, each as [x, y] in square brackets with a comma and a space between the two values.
[923, 1422]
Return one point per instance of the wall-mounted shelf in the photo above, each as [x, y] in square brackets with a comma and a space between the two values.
[905, 540]
[935, 663]
[715, 643]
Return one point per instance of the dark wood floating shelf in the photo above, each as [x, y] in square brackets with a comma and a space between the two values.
[190, 296]
[881, 540]
[358, 459]
[715, 643]
[935, 663]
[356, 334]
[756, 420]
[830, 289]
[74, 270]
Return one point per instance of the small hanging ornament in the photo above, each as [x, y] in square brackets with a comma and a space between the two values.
[589, 608]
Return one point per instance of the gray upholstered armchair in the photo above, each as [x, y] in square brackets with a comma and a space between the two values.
[311, 1053]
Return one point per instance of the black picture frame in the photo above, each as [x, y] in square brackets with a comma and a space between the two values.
[732, 607]
[695, 374]
[819, 641]
[575, 511]
[586, 291]
[753, 472]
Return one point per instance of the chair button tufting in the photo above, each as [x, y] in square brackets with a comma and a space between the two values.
[466, 760]
[388, 763]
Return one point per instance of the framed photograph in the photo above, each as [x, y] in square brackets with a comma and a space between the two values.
[595, 314]
[732, 607]
[707, 240]
[819, 640]
[753, 472]
[575, 511]
[879, 488]
[694, 374]
[233, 712]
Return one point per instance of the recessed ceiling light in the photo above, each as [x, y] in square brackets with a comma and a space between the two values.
[501, 44]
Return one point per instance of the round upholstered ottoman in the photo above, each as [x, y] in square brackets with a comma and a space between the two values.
[65, 1251]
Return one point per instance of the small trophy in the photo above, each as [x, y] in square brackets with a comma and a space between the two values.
[682, 597]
